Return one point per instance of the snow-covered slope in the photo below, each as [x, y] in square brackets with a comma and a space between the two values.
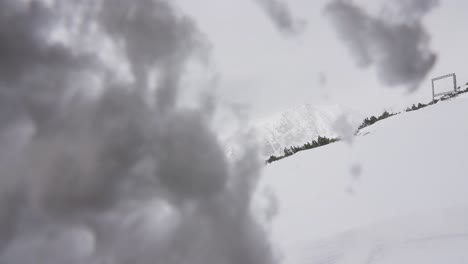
[302, 124]
[398, 194]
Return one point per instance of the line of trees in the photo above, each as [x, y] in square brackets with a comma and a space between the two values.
[416, 107]
[320, 141]
[371, 120]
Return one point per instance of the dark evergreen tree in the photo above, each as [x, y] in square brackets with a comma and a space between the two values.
[272, 158]
[384, 115]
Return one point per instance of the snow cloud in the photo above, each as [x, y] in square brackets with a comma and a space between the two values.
[281, 16]
[397, 44]
[98, 163]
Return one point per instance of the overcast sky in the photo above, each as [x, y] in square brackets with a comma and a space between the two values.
[272, 61]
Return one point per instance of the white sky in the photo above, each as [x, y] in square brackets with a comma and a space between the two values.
[270, 72]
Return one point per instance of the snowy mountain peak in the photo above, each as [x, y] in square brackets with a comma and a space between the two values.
[302, 124]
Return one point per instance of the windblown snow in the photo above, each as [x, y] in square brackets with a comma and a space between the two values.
[302, 124]
[397, 195]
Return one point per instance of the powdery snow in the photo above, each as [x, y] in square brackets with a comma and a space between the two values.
[398, 194]
[302, 124]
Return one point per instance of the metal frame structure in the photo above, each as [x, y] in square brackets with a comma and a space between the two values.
[434, 95]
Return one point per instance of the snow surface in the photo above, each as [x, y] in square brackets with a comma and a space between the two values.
[398, 194]
[302, 124]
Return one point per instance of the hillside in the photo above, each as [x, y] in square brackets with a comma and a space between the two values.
[396, 195]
